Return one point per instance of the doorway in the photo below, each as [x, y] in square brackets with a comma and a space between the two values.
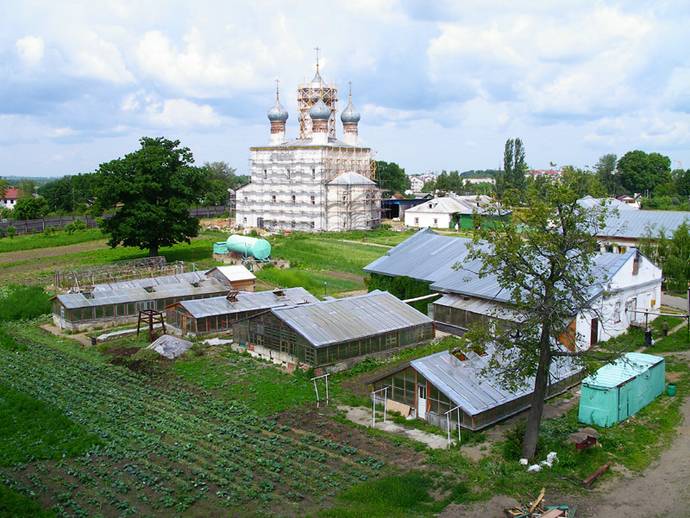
[421, 401]
[594, 333]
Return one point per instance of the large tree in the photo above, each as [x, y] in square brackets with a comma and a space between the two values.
[642, 172]
[70, 194]
[149, 193]
[545, 263]
[606, 172]
[391, 177]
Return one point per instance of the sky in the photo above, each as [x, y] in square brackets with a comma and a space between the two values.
[440, 85]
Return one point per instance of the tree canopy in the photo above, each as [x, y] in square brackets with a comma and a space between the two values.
[30, 208]
[512, 179]
[391, 177]
[641, 172]
[70, 194]
[149, 193]
[544, 262]
[605, 169]
[221, 177]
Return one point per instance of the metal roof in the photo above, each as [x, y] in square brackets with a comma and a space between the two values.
[425, 256]
[478, 306]
[246, 301]
[189, 284]
[634, 224]
[430, 257]
[341, 320]
[235, 272]
[467, 384]
[589, 202]
[622, 370]
[351, 178]
[170, 346]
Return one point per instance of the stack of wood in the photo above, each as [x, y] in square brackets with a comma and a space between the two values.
[537, 509]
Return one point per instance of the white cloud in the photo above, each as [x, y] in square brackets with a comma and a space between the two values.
[30, 49]
[97, 58]
[183, 113]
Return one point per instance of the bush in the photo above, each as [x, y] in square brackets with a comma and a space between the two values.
[8, 342]
[11, 231]
[3, 232]
[23, 302]
[75, 226]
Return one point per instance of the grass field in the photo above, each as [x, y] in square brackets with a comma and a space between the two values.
[59, 238]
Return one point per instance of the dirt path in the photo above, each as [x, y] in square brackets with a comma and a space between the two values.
[23, 255]
[663, 489]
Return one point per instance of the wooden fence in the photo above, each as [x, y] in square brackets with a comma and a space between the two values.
[33, 226]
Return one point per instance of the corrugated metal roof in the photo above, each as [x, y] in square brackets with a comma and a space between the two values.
[463, 382]
[590, 202]
[623, 369]
[425, 256]
[246, 301]
[479, 306]
[183, 285]
[634, 224]
[333, 321]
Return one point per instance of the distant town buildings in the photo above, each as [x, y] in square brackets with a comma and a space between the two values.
[315, 181]
[551, 173]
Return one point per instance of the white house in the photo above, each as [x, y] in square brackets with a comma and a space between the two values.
[626, 289]
[439, 212]
[9, 199]
[416, 183]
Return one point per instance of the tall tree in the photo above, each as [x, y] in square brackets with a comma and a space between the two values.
[514, 166]
[545, 262]
[391, 177]
[28, 207]
[3, 187]
[606, 172]
[149, 193]
[642, 172]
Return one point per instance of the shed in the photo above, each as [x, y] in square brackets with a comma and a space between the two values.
[621, 389]
[237, 276]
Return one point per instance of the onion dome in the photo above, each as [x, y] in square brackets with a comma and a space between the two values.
[320, 111]
[277, 113]
[349, 115]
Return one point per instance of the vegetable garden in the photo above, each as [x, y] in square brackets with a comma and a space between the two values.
[168, 448]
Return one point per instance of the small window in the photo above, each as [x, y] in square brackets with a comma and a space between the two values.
[344, 197]
[273, 198]
[617, 313]
[436, 222]
[636, 264]
[294, 199]
[244, 220]
[313, 200]
[293, 224]
[288, 174]
[265, 173]
[246, 200]
[416, 221]
[311, 224]
[313, 173]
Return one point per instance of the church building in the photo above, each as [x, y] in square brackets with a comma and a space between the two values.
[315, 182]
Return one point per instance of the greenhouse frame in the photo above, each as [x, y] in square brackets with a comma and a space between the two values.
[436, 384]
[218, 314]
[120, 302]
[329, 332]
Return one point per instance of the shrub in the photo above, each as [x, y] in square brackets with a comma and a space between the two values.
[75, 226]
[8, 342]
[3, 232]
[11, 231]
[23, 302]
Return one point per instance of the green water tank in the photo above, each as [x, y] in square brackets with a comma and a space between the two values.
[259, 249]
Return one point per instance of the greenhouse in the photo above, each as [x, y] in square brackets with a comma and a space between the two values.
[456, 383]
[330, 332]
[120, 302]
[218, 314]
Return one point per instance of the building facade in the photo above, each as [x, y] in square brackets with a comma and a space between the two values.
[315, 182]
[9, 199]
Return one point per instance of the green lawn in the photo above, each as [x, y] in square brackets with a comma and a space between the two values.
[317, 283]
[59, 238]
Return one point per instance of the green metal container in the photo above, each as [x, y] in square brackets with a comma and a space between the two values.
[621, 389]
[259, 249]
[671, 389]
[220, 247]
